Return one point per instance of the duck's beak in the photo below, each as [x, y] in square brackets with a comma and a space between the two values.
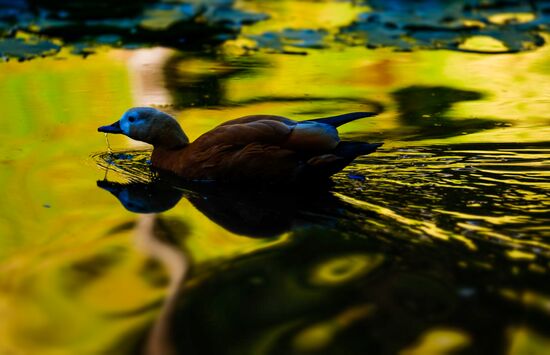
[112, 187]
[113, 128]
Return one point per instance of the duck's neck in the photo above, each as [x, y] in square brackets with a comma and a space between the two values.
[167, 158]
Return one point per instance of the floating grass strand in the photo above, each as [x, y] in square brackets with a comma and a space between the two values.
[109, 150]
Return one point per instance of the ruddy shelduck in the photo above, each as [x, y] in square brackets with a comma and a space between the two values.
[251, 149]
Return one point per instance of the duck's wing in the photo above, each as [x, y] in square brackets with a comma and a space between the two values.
[241, 134]
[254, 149]
[301, 137]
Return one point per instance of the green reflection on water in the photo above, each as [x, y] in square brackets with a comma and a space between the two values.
[444, 240]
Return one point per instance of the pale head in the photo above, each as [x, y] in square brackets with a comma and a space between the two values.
[149, 125]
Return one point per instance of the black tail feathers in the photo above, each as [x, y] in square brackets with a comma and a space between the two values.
[351, 150]
[339, 120]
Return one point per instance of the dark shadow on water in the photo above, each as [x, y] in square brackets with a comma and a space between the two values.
[424, 112]
[417, 103]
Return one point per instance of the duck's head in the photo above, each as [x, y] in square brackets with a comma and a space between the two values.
[138, 197]
[149, 125]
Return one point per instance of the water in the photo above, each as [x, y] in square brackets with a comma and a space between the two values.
[436, 243]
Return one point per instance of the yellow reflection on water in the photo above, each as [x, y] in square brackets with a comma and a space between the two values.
[519, 17]
[512, 95]
[208, 241]
[301, 14]
[344, 268]
[483, 43]
[439, 341]
[317, 336]
[527, 341]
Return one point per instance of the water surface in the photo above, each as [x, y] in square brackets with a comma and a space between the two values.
[436, 243]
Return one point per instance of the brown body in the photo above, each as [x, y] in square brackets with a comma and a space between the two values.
[255, 148]
[250, 149]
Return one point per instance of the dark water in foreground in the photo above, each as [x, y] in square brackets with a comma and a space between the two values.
[414, 250]
[438, 243]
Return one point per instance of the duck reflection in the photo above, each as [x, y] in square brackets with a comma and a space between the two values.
[244, 211]
[143, 197]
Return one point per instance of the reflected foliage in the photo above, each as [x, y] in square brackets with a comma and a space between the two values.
[201, 80]
[85, 24]
[289, 41]
[409, 292]
[424, 111]
[488, 27]
[482, 27]
[26, 49]
[510, 26]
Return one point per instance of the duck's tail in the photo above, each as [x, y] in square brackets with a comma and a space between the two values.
[323, 166]
[339, 120]
[350, 150]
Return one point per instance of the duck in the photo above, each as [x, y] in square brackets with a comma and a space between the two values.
[264, 149]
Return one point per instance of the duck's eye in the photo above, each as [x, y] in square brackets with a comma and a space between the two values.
[131, 118]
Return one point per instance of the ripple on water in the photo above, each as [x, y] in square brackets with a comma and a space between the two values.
[131, 165]
[470, 193]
